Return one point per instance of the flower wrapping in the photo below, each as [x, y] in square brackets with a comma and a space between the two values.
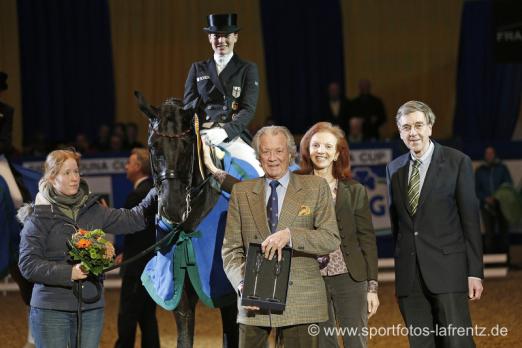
[94, 252]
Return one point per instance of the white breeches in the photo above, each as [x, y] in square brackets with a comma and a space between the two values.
[241, 150]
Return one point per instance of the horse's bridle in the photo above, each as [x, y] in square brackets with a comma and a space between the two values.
[170, 174]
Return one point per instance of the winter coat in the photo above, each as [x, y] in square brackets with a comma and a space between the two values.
[44, 257]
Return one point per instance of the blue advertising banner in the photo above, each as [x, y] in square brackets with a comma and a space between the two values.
[369, 168]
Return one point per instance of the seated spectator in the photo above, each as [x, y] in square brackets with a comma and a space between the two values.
[370, 108]
[102, 143]
[131, 131]
[488, 179]
[82, 144]
[116, 144]
[356, 133]
[119, 129]
[39, 147]
[336, 108]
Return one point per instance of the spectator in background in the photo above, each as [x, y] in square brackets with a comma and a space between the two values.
[82, 144]
[136, 306]
[370, 108]
[117, 143]
[337, 107]
[488, 179]
[119, 129]
[39, 147]
[356, 134]
[131, 132]
[103, 141]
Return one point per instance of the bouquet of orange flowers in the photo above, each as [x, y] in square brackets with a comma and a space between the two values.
[94, 252]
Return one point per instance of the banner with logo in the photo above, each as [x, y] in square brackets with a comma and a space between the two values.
[105, 176]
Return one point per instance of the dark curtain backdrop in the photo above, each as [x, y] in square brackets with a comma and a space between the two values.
[303, 53]
[488, 93]
[66, 67]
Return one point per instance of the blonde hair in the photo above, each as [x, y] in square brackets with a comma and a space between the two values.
[54, 162]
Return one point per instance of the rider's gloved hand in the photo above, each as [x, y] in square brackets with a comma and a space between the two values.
[214, 136]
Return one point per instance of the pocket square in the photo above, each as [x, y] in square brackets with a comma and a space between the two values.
[304, 210]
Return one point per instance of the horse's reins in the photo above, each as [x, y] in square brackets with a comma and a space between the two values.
[169, 175]
[162, 222]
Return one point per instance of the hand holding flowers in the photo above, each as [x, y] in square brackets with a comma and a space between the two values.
[94, 252]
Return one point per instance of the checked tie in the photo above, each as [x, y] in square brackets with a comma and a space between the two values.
[414, 187]
[272, 207]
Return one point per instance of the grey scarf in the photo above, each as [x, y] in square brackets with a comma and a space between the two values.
[69, 205]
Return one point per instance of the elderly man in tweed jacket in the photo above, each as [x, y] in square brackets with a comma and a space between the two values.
[306, 223]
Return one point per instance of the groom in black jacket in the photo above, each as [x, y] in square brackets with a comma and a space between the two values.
[136, 306]
[435, 224]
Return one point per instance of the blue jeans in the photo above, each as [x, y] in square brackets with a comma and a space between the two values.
[57, 329]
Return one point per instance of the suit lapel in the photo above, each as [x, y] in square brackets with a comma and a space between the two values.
[211, 65]
[291, 204]
[433, 173]
[342, 205]
[229, 69]
[256, 201]
[402, 178]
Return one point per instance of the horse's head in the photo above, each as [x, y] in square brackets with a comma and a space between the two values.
[171, 140]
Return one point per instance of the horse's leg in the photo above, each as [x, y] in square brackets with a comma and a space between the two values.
[230, 326]
[185, 314]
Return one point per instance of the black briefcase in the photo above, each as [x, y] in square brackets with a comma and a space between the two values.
[266, 281]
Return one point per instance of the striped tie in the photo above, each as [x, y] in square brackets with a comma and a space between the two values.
[414, 187]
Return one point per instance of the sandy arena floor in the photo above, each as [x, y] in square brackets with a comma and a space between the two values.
[499, 307]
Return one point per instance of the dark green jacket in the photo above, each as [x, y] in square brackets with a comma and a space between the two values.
[354, 220]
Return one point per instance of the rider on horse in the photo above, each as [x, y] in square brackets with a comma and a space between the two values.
[223, 91]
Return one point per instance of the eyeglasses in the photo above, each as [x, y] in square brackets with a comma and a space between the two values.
[406, 128]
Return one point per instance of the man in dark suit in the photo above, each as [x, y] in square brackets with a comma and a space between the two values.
[136, 306]
[223, 90]
[435, 224]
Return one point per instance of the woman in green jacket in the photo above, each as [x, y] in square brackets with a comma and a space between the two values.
[350, 272]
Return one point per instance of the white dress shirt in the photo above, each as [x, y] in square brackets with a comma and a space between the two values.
[222, 61]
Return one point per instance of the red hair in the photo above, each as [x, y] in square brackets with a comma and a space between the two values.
[341, 168]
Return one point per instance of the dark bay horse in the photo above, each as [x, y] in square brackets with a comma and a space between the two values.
[185, 198]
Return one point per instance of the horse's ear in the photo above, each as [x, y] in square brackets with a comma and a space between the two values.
[145, 107]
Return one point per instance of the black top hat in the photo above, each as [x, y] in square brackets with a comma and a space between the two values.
[222, 23]
[3, 81]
